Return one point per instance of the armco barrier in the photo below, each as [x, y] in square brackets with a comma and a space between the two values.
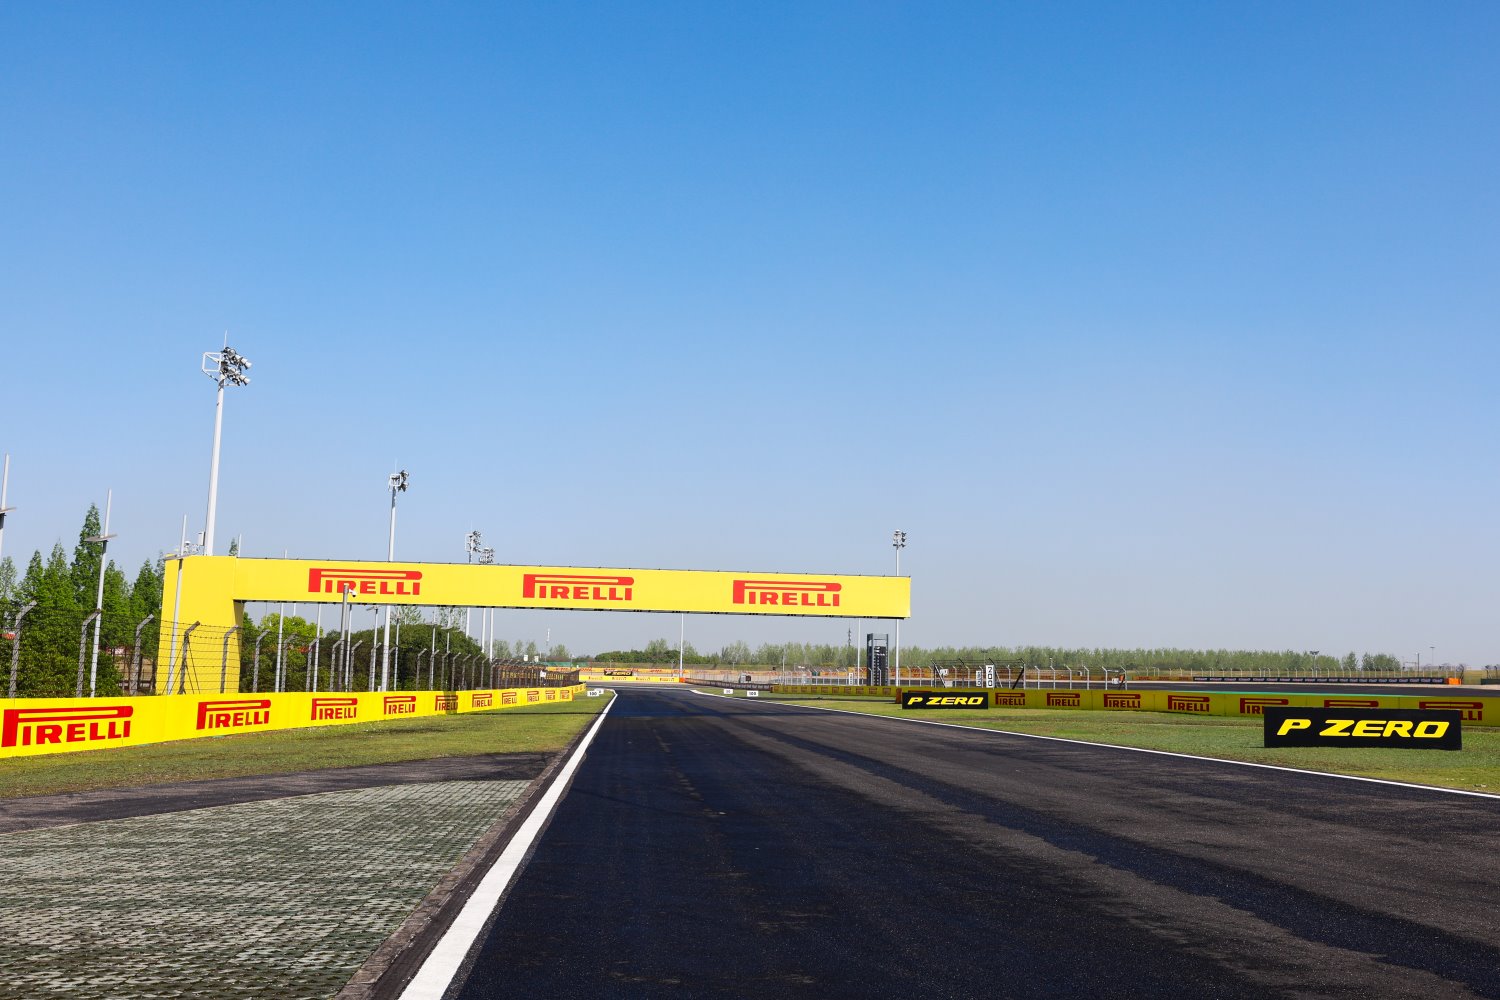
[1476, 711]
[32, 726]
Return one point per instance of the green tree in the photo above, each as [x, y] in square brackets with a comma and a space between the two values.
[8, 580]
[50, 634]
[87, 557]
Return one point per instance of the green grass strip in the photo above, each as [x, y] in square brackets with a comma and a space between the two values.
[1474, 768]
[535, 728]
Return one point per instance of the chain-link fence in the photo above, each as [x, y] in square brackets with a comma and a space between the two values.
[46, 653]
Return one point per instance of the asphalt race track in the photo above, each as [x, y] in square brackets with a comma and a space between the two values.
[737, 848]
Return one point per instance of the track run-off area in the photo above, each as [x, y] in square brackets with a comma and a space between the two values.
[715, 846]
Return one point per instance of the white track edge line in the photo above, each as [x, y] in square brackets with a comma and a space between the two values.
[442, 963]
[1117, 746]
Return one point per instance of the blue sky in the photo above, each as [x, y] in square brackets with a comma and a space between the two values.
[1152, 324]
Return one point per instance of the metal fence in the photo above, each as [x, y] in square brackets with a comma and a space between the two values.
[52, 654]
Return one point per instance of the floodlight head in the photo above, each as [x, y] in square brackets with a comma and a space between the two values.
[898, 539]
[226, 367]
[398, 481]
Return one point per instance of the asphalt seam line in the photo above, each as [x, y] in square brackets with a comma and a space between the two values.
[1117, 746]
[441, 965]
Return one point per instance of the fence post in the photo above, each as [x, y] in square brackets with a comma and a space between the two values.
[224, 660]
[182, 671]
[15, 647]
[83, 643]
[135, 668]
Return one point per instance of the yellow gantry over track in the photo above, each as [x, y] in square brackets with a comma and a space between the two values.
[207, 595]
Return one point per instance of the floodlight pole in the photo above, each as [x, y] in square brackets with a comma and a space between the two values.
[898, 539]
[103, 539]
[224, 367]
[4, 488]
[397, 483]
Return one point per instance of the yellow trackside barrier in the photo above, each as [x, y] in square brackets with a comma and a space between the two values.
[32, 726]
[1477, 711]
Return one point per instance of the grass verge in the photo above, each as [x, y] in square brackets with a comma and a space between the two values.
[1474, 768]
[535, 728]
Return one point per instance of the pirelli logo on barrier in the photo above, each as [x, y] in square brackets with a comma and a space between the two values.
[484, 699]
[508, 698]
[533, 695]
[1010, 699]
[236, 713]
[1351, 702]
[400, 704]
[1064, 699]
[445, 703]
[1189, 703]
[938, 699]
[1258, 706]
[334, 709]
[1123, 699]
[1470, 711]
[28, 727]
[1411, 729]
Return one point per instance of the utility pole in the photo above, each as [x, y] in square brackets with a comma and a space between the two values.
[103, 538]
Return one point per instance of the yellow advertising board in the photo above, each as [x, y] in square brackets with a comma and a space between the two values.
[32, 726]
[214, 589]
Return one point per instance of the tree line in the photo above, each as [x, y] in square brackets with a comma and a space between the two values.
[64, 590]
[826, 656]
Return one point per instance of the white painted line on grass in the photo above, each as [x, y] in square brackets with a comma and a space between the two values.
[437, 972]
[1117, 746]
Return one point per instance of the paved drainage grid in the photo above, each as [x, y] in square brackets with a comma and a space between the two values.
[284, 898]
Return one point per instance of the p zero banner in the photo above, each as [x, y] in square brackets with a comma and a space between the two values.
[1410, 729]
[945, 699]
[213, 590]
[32, 726]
